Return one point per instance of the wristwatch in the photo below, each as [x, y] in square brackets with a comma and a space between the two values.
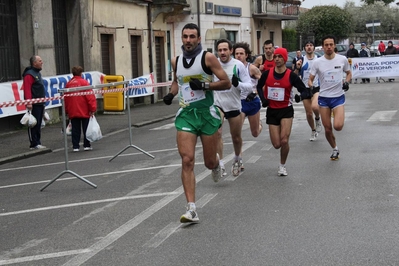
[206, 85]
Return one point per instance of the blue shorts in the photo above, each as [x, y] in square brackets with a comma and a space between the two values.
[250, 108]
[331, 103]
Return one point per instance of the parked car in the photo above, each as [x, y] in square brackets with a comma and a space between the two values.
[357, 46]
[374, 47]
[342, 48]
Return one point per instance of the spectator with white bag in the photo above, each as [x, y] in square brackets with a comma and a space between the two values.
[34, 88]
[79, 109]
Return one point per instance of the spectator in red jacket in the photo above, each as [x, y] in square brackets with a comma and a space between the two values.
[79, 109]
[381, 48]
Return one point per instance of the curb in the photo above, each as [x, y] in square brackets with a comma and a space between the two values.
[21, 156]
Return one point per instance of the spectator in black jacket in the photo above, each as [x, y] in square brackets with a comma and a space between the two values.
[390, 50]
[352, 53]
[364, 52]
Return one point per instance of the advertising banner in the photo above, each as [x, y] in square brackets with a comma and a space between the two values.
[370, 67]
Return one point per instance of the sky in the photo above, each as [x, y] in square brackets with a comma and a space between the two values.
[340, 3]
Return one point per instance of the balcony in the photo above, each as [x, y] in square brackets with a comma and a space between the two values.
[276, 9]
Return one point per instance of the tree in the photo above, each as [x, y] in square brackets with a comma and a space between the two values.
[388, 17]
[370, 2]
[325, 20]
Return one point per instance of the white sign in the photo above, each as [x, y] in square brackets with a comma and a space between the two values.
[369, 67]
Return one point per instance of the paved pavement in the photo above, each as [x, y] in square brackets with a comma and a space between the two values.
[15, 145]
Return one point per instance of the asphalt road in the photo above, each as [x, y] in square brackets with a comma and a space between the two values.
[323, 213]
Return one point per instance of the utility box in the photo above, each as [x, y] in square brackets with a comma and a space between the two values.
[114, 101]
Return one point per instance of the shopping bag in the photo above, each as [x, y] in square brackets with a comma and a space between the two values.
[43, 123]
[93, 132]
[28, 120]
[68, 130]
[46, 117]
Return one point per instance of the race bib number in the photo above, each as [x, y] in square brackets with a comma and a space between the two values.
[333, 76]
[190, 96]
[275, 94]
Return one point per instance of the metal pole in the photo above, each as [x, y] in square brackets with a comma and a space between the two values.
[66, 153]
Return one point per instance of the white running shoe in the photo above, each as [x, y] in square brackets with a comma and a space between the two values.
[313, 136]
[241, 166]
[282, 171]
[235, 168]
[191, 216]
[318, 125]
[335, 155]
[223, 171]
[217, 172]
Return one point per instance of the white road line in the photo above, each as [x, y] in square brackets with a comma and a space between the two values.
[168, 230]
[82, 160]
[95, 175]
[44, 256]
[382, 116]
[87, 203]
[253, 159]
[162, 235]
[123, 229]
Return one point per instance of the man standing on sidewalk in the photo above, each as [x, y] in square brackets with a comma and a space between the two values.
[192, 79]
[33, 88]
[330, 69]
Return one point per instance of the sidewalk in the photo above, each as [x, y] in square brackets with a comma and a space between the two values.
[15, 145]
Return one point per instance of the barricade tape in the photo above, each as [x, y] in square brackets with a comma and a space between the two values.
[71, 94]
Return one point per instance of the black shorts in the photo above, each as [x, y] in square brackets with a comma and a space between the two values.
[274, 116]
[230, 114]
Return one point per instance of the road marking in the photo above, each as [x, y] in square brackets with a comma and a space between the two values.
[382, 116]
[162, 235]
[253, 159]
[168, 230]
[87, 203]
[164, 127]
[44, 256]
[131, 224]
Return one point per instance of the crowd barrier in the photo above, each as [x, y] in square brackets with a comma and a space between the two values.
[79, 91]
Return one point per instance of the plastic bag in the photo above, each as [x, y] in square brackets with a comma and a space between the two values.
[93, 132]
[68, 129]
[28, 120]
[43, 124]
[46, 117]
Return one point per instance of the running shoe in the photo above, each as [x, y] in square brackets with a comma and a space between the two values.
[335, 155]
[235, 168]
[313, 136]
[242, 166]
[217, 172]
[191, 216]
[282, 171]
[224, 173]
[318, 125]
[75, 150]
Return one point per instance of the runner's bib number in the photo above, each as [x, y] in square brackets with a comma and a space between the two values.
[190, 96]
[275, 94]
[333, 76]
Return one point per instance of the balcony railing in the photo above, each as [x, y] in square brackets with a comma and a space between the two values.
[282, 7]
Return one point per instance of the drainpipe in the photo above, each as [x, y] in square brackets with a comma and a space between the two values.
[198, 15]
[150, 44]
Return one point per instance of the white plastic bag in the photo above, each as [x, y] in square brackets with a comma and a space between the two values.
[43, 123]
[46, 117]
[28, 120]
[68, 129]
[93, 132]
